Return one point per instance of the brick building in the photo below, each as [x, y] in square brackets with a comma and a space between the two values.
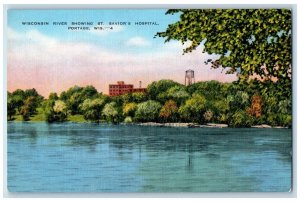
[121, 88]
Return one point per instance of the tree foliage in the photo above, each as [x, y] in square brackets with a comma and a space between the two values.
[92, 109]
[55, 110]
[193, 108]
[29, 107]
[129, 109]
[212, 101]
[111, 112]
[169, 111]
[156, 88]
[256, 106]
[240, 118]
[76, 95]
[148, 111]
[249, 42]
[11, 109]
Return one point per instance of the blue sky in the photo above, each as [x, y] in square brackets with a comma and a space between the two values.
[113, 40]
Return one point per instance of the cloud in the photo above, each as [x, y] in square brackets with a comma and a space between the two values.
[48, 64]
[138, 42]
[32, 36]
[177, 45]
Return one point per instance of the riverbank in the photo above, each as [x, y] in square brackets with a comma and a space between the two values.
[80, 119]
[183, 125]
[195, 125]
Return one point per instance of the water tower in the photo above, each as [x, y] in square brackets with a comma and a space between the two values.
[189, 77]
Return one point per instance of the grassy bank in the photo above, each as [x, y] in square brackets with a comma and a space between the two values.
[40, 116]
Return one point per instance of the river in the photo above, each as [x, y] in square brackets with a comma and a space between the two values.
[83, 157]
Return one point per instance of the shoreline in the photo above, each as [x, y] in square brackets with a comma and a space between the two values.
[208, 125]
[171, 125]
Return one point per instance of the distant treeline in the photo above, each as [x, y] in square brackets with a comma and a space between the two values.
[165, 101]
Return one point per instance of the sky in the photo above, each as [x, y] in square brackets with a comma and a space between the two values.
[53, 58]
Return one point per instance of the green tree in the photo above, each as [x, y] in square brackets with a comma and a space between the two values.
[19, 96]
[138, 97]
[53, 96]
[176, 93]
[158, 87]
[111, 112]
[277, 112]
[220, 109]
[11, 109]
[193, 109]
[148, 111]
[56, 111]
[211, 90]
[32, 93]
[247, 41]
[240, 118]
[23, 102]
[76, 95]
[92, 108]
[241, 100]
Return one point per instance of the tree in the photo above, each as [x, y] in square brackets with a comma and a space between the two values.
[256, 106]
[129, 109]
[17, 99]
[176, 93]
[169, 111]
[193, 108]
[31, 93]
[240, 100]
[29, 108]
[60, 110]
[23, 103]
[220, 109]
[158, 87]
[148, 111]
[138, 97]
[254, 43]
[240, 118]
[53, 96]
[111, 112]
[56, 111]
[92, 108]
[11, 110]
[76, 95]
[209, 89]
[277, 112]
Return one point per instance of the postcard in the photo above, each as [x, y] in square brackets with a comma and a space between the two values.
[149, 100]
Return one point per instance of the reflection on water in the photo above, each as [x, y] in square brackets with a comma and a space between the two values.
[114, 158]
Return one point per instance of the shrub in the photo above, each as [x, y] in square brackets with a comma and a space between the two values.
[208, 115]
[128, 119]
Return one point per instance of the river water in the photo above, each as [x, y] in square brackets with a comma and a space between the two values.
[75, 157]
